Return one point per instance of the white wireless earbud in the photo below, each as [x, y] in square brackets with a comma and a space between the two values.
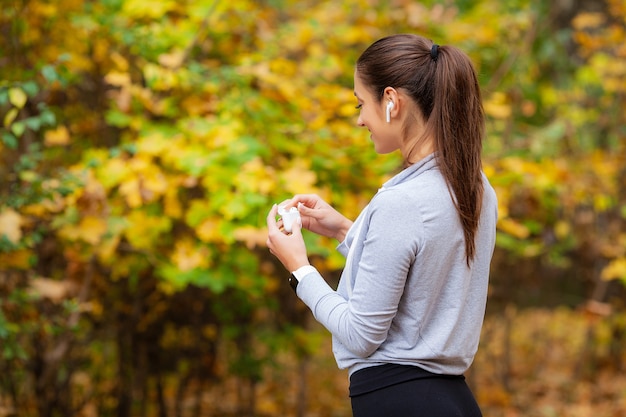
[389, 107]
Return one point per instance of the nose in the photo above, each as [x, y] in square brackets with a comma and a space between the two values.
[359, 122]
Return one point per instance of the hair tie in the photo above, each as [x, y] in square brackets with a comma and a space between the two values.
[434, 52]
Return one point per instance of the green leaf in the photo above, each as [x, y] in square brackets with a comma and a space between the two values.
[31, 88]
[18, 128]
[29, 176]
[9, 140]
[49, 73]
[33, 123]
[48, 118]
[118, 119]
[198, 212]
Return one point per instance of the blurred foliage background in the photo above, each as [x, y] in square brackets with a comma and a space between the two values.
[143, 142]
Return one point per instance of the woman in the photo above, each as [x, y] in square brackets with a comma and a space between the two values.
[407, 313]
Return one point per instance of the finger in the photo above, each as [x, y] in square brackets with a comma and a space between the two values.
[296, 227]
[285, 203]
[272, 225]
[302, 208]
[310, 212]
[308, 200]
[295, 201]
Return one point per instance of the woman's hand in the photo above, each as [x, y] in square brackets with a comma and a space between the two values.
[288, 248]
[319, 217]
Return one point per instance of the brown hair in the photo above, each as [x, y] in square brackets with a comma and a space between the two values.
[445, 88]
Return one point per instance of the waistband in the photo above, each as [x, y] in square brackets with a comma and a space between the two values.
[374, 378]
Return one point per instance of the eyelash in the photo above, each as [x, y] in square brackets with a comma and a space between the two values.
[359, 107]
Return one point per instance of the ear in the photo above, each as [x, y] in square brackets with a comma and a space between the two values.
[391, 94]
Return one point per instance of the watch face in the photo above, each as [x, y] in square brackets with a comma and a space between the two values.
[293, 281]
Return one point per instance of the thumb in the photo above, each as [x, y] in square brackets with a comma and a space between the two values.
[306, 210]
[296, 227]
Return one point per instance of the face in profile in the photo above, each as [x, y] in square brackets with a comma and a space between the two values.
[372, 116]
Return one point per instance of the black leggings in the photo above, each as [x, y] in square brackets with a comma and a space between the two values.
[428, 397]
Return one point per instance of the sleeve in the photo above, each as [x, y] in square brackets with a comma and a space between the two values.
[389, 248]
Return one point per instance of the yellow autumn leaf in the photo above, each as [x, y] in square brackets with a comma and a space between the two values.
[130, 189]
[348, 110]
[118, 79]
[113, 172]
[588, 20]
[160, 78]
[107, 249]
[20, 259]
[41, 209]
[154, 144]
[514, 228]
[141, 180]
[92, 228]
[10, 225]
[356, 34]
[57, 137]
[17, 97]
[283, 66]
[352, 204]
[562, 229]
[274, 80]
[188, 256]
[318, 121]
[142, 9]
[154, 183]
[251, 236]
[208, 230]
[95, 308]
[44, 9]
[197, 105]
[256, 177]
[299, 179]
[119, 60]
[616, 269]
[173, 59]
[144, 230]
[497, 106]
[225, 134]
[602, 202]
[171, 203]
[10, 117]
[486, 34]
[489, 169]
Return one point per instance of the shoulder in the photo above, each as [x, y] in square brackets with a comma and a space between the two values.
[394, 200]
[417, 200]
[490, 198]
[425, 190]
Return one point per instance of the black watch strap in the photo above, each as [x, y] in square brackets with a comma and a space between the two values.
[299, 274]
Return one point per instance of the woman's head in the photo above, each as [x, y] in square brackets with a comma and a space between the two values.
[403, 62]
[448, 116]
[406, 63]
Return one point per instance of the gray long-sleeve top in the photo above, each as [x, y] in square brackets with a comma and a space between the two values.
[413, 300]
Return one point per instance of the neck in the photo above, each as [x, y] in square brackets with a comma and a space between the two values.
[417, 150]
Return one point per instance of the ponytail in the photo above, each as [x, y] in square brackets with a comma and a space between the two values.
[457, 126]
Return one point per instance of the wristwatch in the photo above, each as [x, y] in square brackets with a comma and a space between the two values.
[293, 281]
[297, 275]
